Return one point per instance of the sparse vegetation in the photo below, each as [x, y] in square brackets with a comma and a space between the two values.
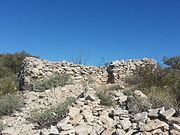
[105, 97]
[90, 80]
[80, 59]
[172, 62]
[114, 87]
[51, 116]
[131, 79]
[1, 127]
[137, 105]
[52, 82]
[10, 103]
[161, 84]
[10, 65]
[8, 85]
[13, 61]
[162, 97]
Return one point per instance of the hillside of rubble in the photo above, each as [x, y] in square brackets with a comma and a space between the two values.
[133, 97]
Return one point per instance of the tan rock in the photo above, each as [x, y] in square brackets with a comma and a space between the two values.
[64, 127]
[87, 115]
[83, 130]
[126, 124]
[108, 131]
[140, 94]
[120, 132]
[76, 119]
[175, 120]
[154, 124]
[106, 119]
[73, 111]
[174, 132]
[168, 113]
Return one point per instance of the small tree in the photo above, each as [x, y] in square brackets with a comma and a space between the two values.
[172, 62]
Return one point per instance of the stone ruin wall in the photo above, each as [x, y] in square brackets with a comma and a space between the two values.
[34, 69]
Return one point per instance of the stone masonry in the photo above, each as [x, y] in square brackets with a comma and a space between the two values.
[34, 69]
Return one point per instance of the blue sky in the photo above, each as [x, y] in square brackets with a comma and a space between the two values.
[108, 29]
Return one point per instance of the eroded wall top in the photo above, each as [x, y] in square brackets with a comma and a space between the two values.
[34, 69]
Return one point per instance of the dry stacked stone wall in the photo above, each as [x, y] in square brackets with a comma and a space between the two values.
[34, 69]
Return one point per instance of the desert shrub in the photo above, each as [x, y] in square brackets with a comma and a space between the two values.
[136, 104]
[160, 84]
[8, 85]
[4, 72]
[172, 62]
[129, 92]
[114, 87]
[10, 103]
[149, 76]
[10, 65]
[52, 82]
[132, 79]
[106, 98]
[51, 116]
[80, 58]
[1, 127]
[13, 61]
[162, 97]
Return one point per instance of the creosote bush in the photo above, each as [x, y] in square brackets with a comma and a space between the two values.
[51, 116]
[52, 82]
[10, 103]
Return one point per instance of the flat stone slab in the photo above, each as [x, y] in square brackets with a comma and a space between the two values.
[168, 113]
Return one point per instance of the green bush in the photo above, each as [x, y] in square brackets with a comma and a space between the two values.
[51, 116]
[8, 85]
[132, 79]
[52, 82]
[10, 65]
[10, 103]
[162, 97]
[1, 127]
[136, 104]
[161, 84]
[13, 61]
[172, 62]
[106, 98]
[149, 76]
[4, 72]
[114, 87]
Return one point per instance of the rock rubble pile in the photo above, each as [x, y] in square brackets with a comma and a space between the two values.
[89, 117]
